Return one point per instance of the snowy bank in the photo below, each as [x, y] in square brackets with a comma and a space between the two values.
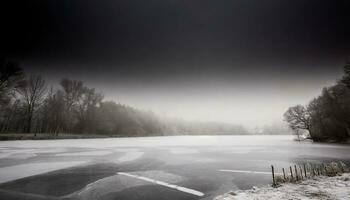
[320, 188]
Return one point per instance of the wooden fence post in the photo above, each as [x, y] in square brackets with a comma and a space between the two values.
[273, 176]
[333, 171]
[341, 167]
[305, 170]
[291, 172]
[284, 174]
[296, 172]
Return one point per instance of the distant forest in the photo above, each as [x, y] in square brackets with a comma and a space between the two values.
[326, 117]
[29, 105]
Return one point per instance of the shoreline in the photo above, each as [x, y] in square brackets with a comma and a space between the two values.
[320, 188]
[43, 136]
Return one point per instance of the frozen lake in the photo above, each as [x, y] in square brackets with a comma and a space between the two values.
[176, 167]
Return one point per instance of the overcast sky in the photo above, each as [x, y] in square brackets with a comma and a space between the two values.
[241, 61]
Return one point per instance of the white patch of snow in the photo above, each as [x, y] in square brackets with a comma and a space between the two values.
[183, 151]
[85, 153]
[124, 150]
[12, 154]
[5, 155]
[32, 150]
[26, 153]
[160, 175]
[130, 156]
[162, 183]
[247, 172]
[319, 188]
[22, 155]
[46, 150]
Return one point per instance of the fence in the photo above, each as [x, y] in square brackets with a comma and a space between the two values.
[307, 170]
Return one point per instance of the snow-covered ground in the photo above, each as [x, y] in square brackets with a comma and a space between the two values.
[320, 188]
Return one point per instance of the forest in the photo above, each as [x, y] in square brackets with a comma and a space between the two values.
[326, 117]
[29, 105]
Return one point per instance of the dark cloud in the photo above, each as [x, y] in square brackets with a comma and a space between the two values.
[176, 31]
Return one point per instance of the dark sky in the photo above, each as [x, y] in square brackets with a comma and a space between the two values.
[189, 58]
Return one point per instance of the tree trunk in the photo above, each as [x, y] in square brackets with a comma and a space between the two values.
[348, 129]
[29, 120]
[298, 134]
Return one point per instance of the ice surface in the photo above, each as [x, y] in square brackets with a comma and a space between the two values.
[251, 152]
[183, 151]
[169, 141]
[109, 185]
[85, 153]
[130, 156]
[21, 155]
[25, 153]
[25, 170]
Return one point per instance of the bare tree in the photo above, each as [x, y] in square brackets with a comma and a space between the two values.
[33, 93]
[87, 109]
[298, 119]
[10, 75]
[346, 78]
[73, 91]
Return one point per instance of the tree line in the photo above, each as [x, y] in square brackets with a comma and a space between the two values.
[326, 117]
[29, 105]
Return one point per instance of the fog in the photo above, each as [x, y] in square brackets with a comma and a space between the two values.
[251, 104]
